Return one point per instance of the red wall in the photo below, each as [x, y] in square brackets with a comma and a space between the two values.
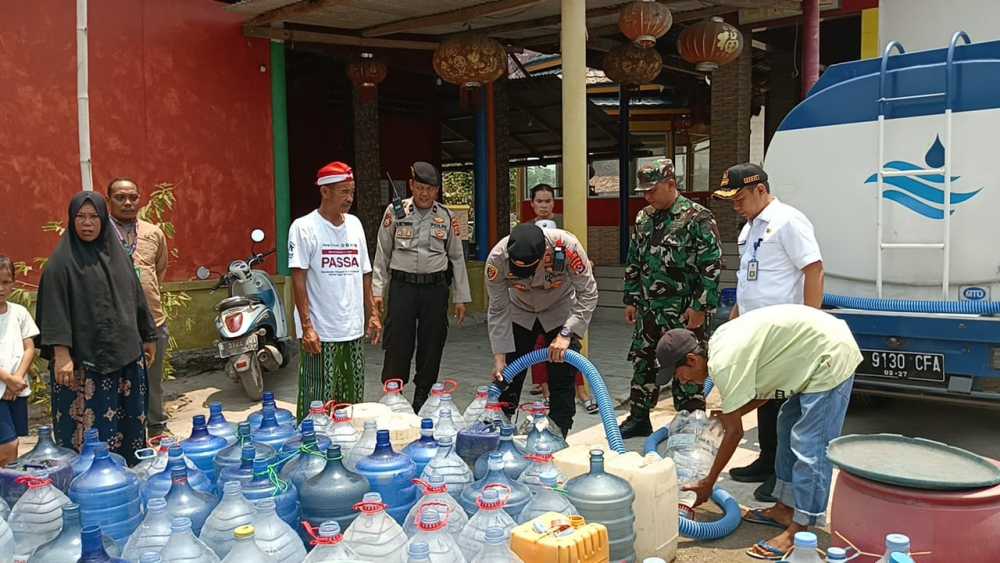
[177, 95]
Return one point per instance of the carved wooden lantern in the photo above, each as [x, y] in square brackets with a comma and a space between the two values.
[644, 21]
[632, 66]
[366, 72]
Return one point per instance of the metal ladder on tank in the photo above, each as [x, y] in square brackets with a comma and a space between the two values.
[883, 103]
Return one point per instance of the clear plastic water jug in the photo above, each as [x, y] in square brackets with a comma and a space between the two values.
[232, 512]
[895, 543]
[266, 485]
[447, 404]
[805, 549]
[444, 425]
[514, 460]
[6, 542]
[152, 534]
[271, 432]
[184, 547]
[108, 496]
[603, 498]
[245, 549]
[46, 450]
[92, 547]
[517, 495]
[418, 552]
[694, 440]
[448, 465]
[309, 461]
[430, 406]
[495, 549]
[343, 433]
[435, 495]
[547, 498]
[201, 446]
[433, 529]
[150, 557]
[284, 416]
[154, 458]
[364, 446]
[394, 399]
[276, 537]
[322, 424]
[539, 428]
[66, 546]
[232, 455]
[332, 494]
[184, 501]
[374, 535]
[391, 475]
[36, 517]
[330, 546]
[490, 514]
[422, 450]
[218, 425]
[477, 407]
[158, 484]
[540, 462]
[87, 450]
[290, 450]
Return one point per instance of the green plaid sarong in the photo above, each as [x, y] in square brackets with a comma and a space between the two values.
[337, 373]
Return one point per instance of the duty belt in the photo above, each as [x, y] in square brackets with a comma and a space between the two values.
[420, 279]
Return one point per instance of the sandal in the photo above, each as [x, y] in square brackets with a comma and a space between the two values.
[590, 406]
[756, 516]
[773, 553]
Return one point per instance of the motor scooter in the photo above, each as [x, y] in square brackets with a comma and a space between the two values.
[251, 322]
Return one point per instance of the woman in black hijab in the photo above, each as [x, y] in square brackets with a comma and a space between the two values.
[95, 329]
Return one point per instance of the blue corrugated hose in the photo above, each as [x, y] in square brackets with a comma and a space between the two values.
[912, 305]
[688, 528]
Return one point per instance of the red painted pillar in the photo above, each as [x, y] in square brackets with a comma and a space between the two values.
[810, 44]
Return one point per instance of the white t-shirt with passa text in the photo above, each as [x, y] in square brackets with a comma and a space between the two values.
[16, 325]
[336, 259]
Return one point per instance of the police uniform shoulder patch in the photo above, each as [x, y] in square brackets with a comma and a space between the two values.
[491, 272]
[387, 221]
[576, 263]
[455, 228]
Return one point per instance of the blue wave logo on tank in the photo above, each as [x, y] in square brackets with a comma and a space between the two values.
[924, 195]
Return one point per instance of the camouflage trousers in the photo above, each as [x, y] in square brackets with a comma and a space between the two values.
[645, 393]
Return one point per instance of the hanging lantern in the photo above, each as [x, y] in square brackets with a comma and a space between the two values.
[709, 44]
[470, 60]
[681, 122]
[632, 66]
[644, 21]
[366, 72]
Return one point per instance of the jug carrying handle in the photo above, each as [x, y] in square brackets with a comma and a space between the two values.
[319, 540]
[503, 498]
[333, 405]
[370, 507]
[428, 488]
[453, 386]
[385, 386]
[444, 516]
[145, 453]
[33, 481]
[154, 442]
[534, 407]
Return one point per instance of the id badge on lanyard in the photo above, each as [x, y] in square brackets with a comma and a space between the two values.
[754, 264]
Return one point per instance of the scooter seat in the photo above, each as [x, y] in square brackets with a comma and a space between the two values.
[236, 301]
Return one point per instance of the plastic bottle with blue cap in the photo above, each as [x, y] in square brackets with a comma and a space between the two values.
[275, 536]
[218, 425]
[547, 498]
[900, 558]
[184, 546]
[895, 543]
[836, 554]
[422, 450]
[153, 533]
[491, 514]
[418, 552]
[233, 511]
[805, 549]
[495, 549]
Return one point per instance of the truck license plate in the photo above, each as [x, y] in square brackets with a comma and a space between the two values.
[233, 347]
[903, 365]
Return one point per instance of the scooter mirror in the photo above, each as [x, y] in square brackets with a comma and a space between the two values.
[203, 273]
[257, 235]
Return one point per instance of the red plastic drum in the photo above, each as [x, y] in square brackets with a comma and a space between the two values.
[954, 526]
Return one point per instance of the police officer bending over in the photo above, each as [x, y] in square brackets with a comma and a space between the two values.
[539, 283]
[420, 255]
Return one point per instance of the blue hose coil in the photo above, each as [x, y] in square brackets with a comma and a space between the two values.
[912, 305]
[653, 441]
[688, 528]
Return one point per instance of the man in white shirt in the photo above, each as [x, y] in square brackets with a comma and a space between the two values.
[780, 264]
[331, 277]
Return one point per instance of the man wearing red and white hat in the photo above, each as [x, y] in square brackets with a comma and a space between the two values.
[331, 276]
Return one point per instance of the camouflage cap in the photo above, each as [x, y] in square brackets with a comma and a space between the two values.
[655, 173]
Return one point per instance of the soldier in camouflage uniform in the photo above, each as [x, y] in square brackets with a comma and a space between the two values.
[671, 281]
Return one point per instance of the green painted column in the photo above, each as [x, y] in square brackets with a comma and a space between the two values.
[279, 125]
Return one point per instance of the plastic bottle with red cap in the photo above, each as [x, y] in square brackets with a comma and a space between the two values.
[491, 514]
[329, 546]
[374, 535]
[432, 529]
[435, 495]
[394, 399]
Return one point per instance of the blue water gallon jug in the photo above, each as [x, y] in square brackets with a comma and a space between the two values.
[514, 460]
[67, 545]
[158, 484]
[309, 460]
[515, 495]
[477, 439]
[92, 547]
[231, 455]
[218, 425]
[242, 473]
[184, 501]
[108, 496]
[290, 450]
[603, 498]
[284, 416]
[540, 428]
[152, 534]
[271, 432]
[201, 446]
[332, 493]
[86, 457]
[422, 450]
[726, 303]
[267, 485]
[391, 475]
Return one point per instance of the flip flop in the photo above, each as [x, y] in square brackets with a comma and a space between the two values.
[756, 516]
[773, 553]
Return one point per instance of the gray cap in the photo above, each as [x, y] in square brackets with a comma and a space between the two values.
[674, 345]
[425, 173]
